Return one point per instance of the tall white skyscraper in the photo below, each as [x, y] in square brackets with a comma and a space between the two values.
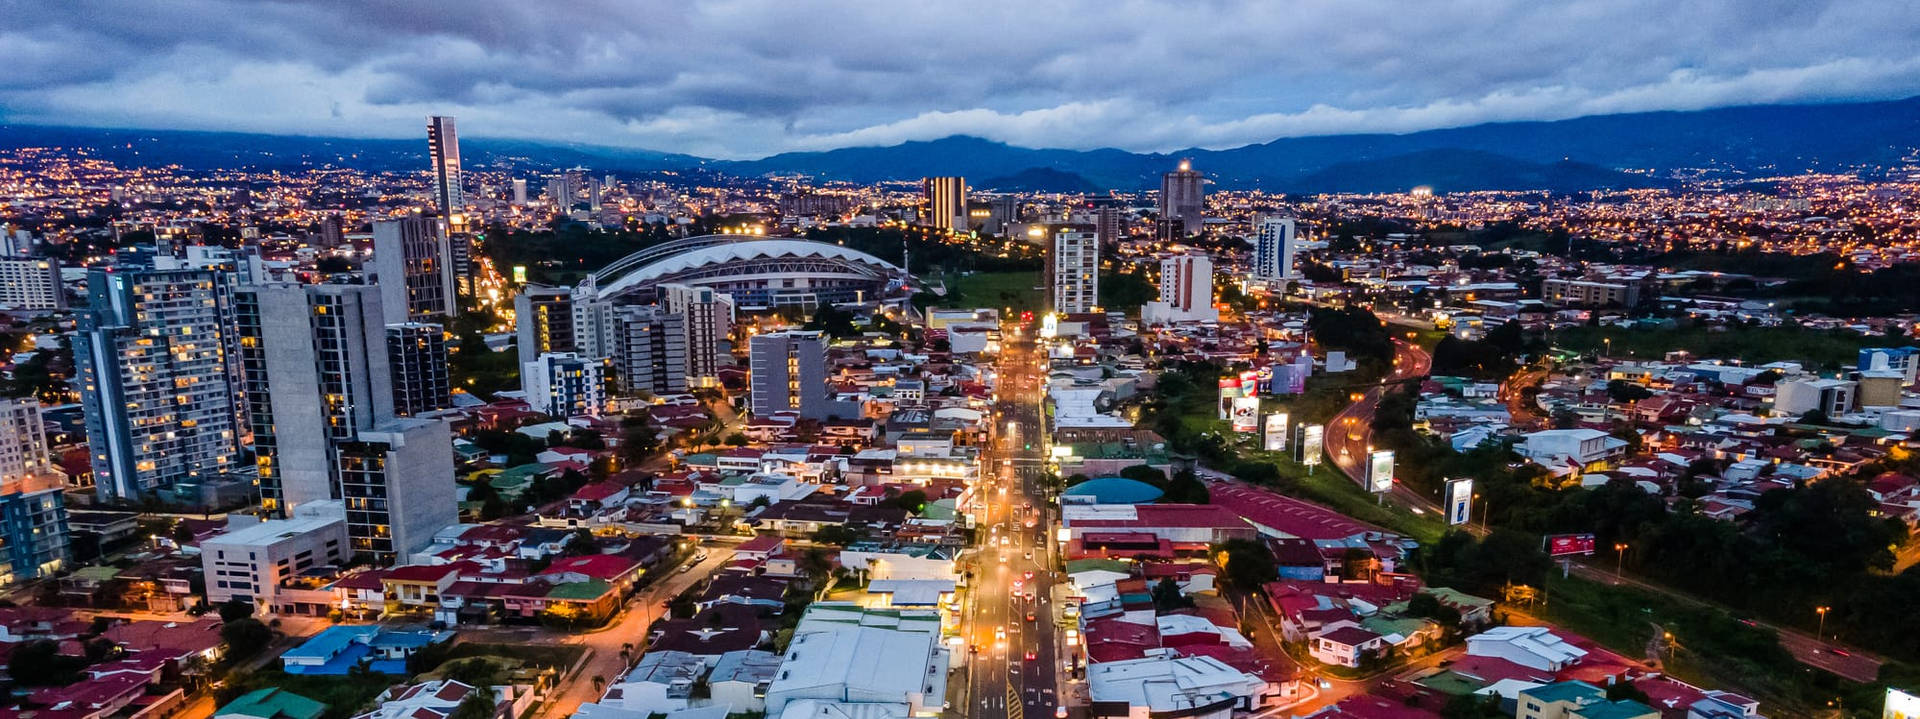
[1075, 269]
[413, 265]
[443, 146]
[520, 192]
[1186, 292]
[156, 388]
[1273, 248]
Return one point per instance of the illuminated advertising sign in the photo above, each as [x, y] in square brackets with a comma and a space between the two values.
[1560, 545]
[1310, 444]
[1249, 384]
[1380, 470]
[1050, 326]
[1229, 391]
[1246, 414]
[519, 274]
[1265, 374]
[1900, 705]
[1274, 436]
[1459, 500]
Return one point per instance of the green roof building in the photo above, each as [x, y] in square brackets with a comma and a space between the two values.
[271, 703]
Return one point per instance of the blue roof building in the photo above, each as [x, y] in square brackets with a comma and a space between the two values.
[1112, 490]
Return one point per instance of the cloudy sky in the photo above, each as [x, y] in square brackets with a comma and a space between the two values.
[746, 78]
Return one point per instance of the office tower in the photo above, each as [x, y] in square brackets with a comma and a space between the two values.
[519, 192]
[652, 355]
[30, 283]
[460, 250]
[593, 196]
[316, 368]
[789, 374]
[564, 384]
[152, 365]
[1273, 248]
[33, 523]
[1075, 265]
[709, 319]
[1001, 212]
[1186, 292]
[417, 362]
[1109, 224]
[946, 199]
[23, 440]
[15, 242]
[443, 145]
[543, 321]
[1183, 198]
[397, 481]
[559, 194]
[413, 267]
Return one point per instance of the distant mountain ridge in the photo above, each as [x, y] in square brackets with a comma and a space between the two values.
[1562, 155]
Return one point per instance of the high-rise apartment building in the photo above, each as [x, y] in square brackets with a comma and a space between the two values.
[1274, 245]
[413, 265]
[155, 384]
[1186, 292]
[789, 374]
[396, 480]
[1183, 200]
[1110, 224]
[946, 199]
[709, 319]
[543, 321]
[23, 440]
[443, 146]
[417, 362]
[1075, 267]
[316, 364]
[651, 355]
[565, 384]
[519, 192]
[31, 283]
[33, 523]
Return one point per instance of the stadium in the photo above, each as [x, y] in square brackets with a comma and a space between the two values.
[757, 271]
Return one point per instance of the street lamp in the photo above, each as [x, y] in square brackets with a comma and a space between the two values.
[1619, 557]
[1821, 632]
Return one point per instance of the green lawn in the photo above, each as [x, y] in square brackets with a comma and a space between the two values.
[995, 289]
[1758, 345]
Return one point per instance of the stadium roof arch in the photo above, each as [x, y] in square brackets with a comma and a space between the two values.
[756, 270]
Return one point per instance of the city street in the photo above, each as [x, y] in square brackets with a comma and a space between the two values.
[1010, 630]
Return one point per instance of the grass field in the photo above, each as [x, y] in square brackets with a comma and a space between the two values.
[1758, 345]
[995, 289]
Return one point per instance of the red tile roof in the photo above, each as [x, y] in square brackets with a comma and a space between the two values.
[1285, 514]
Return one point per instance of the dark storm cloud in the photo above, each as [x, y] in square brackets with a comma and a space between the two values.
[748, 77]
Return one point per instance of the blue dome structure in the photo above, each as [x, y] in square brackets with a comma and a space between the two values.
[1113, 490]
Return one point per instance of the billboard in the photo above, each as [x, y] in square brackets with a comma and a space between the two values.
[1310, 444]
[1246, 414]
[1249, 384]
[1275, 435]
[1380, 470]
[1559, 545]
[1459, 500]
[1265, 375]
[1229, 391]
[1900, 705]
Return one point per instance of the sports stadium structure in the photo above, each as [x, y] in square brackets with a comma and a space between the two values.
[756, 271]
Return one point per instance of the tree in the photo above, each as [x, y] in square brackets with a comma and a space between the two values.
[1167, 596]
[838, 535]
[1620, 390]
[235, 608]
[1146, 475]
[477, 705]
[1248, 563]
[1185, 488]
[475, 672]
[638, 442]
[914, 501]
[245, 637]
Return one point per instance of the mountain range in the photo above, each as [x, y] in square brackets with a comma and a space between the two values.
[1603, 151]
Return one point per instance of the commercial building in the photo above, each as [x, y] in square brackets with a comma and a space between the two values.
[1186, 292]
[946, 199]
[1200, 687]
[156, 389]
[413, 265]
[315, 358]
[1183, 200]
[417, 363]
[1831, 397]
[31, 283]
[789, 374]
[862, 661]
[1074, 266]
[1275, 242]
[1590, 293]
[565, 384]
[397, 482]
[443, 146]
[250, 561]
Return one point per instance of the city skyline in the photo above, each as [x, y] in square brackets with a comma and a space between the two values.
[737, 82]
